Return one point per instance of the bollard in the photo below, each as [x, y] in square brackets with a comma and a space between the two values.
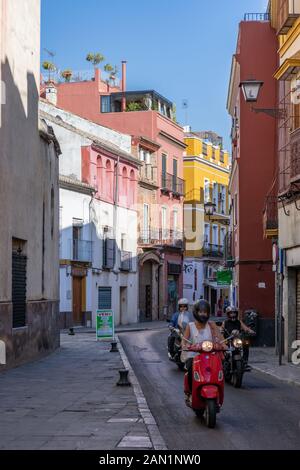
[114, 346]
[123, 381]
[71, 331]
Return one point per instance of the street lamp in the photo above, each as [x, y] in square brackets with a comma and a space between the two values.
[251, 89]
[210, 209]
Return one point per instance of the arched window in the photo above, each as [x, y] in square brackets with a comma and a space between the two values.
[124, 187]
[99, 175]
[109, 179]
[132, 188]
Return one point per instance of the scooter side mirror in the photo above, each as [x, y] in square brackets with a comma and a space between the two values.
[168, 320]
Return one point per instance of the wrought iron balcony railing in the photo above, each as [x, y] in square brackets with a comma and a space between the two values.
[287, 13]
[212, 250]
[256, 17]
[270, 216]
[161, 237]
[126, 260]
[81, 250]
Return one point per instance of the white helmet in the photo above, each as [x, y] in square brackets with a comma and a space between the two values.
[183, 301]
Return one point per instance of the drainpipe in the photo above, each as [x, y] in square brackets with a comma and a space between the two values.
[123, 85]
[115, 213]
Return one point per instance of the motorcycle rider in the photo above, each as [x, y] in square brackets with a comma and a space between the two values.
[179, 320]
[198, 331]
[233, 323]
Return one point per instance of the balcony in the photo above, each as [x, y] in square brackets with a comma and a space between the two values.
[160, 237]
[287, 13]
[270, 217]
[126, 261]
[256, 17]
[148, 100]
[228, 250]
[81, 250]
[172, 184]
[295, 156]
[213, 251]
[177, 186]
[148, 174]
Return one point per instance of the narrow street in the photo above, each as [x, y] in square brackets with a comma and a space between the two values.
[264, 414]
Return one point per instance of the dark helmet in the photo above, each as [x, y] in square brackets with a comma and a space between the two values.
[200, 307]
[232, 312]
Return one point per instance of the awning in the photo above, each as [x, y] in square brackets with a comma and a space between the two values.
[288, 70]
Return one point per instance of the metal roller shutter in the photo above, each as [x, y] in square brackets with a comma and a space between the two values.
[19, 289]
[298, 306]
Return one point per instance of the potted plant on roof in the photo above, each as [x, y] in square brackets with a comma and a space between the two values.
[67, 75]
[95, 59]
[50, 67]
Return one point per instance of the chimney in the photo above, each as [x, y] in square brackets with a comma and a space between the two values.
[97, 77]
[124, 84]
[51, 93]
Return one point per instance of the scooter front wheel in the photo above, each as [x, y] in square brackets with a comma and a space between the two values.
[211, 413]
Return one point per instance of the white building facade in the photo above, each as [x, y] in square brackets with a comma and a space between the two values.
[98, 220]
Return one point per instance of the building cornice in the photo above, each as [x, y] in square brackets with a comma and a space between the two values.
[66, 182]
[173, 139]
[205, 162]
[292, 35]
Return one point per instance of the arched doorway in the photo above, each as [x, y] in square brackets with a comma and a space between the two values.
[149, 298]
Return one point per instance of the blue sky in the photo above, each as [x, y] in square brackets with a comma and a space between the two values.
[181, 48]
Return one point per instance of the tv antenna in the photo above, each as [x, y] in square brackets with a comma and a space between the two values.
[185, 106]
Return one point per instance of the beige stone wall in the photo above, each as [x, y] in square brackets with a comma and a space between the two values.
[28, 173]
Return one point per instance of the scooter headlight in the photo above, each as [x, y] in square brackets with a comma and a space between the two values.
[237, 343]
[207, 346]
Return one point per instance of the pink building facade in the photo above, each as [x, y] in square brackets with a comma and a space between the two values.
[158, 141]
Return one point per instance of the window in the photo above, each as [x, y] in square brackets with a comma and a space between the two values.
[296, 116]
[215, 195]
[105, 104]
[19, 283]
[142, 155]
[175, 170]
[222, 199]
[164, 222]
[206, 234]
[108, 249]
[77, 236]
[222, 236]
[206, 191]
[164, 170]
[104, 298]
[215, 235]
[146, 232]
[123, 241]
[235, 207]
[222, 156]
[204, 148]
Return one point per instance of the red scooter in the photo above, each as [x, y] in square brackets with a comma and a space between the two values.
[208, 381]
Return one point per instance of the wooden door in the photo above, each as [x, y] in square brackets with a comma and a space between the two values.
[77, 300]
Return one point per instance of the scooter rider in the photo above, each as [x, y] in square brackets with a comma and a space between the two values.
[198, 331]
[180, 319]
[233, 323]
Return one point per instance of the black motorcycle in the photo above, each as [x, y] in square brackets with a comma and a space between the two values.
[235, 363]
[174, 347]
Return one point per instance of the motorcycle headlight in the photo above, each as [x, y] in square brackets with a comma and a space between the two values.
[207, 346]
[237, 343]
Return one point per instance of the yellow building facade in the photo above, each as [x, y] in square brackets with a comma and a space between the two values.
[206, 174]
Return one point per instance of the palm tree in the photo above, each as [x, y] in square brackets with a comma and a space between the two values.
[95, 59]
[50, 67]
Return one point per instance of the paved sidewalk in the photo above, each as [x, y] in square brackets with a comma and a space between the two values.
[142, 326]
[69, 400]
[265, 360]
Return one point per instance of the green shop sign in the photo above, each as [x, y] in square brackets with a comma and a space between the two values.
[105, 324]
[224, 277]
